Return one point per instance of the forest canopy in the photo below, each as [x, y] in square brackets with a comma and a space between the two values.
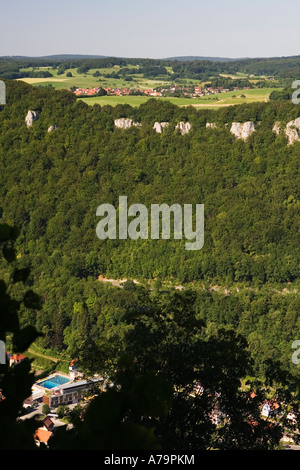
[52, 182]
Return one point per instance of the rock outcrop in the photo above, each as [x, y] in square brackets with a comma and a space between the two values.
[277, 128]
[242, 130]
[184, 127]
[292, 131]
[126, 123]
[159, 126]
[31, 116]
[211, 125]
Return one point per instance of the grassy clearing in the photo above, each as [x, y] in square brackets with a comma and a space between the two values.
[115, 100]
[224, 99]
[243, 96]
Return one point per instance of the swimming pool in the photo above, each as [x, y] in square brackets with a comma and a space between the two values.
[53, 381]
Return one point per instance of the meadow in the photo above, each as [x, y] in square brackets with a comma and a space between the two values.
[87, 80]
[223, 99]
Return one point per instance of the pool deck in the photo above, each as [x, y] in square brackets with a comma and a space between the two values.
[49, 377]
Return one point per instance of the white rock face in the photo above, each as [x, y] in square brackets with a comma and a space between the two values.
[31, 116]
[242, 130]
[52, 128]
[184, 127]
[126, 123]
[277, 128]
[159, 126]
[292, 131]
[211, 125]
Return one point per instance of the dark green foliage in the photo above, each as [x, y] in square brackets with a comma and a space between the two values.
[203, 369]
[15, 381]
[114, 419]
[285, 94]
[279, 67]
[52, 183]
[50, 187]
[105, 425]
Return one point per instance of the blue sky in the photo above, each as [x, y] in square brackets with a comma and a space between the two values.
[154, 29]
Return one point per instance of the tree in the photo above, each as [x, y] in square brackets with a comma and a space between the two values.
[105, 424]
[46, 409]
[109, 421]
[15, 381]
[203, 369]
[61, 411]
[102, 92]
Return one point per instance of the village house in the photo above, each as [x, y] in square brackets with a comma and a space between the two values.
[195, 91]
[86, 91]
[266, 410]
[147, 91]
[28, 403]
[198, 90]
[73, 369]
[15, 358]
[155, 93]
[270, 409]
[42, 436]
[48, 423]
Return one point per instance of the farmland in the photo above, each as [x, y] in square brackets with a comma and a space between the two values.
[87, 80]
[218, 101]
[112, 77]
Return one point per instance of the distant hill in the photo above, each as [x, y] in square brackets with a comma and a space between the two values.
[57, 57]
[72, 56]
[192, 67]
[192, 58]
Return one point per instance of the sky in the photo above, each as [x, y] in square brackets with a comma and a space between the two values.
[150, 29]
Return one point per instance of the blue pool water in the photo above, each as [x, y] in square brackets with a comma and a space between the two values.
[53, 381]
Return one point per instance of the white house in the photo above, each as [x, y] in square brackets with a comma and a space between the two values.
[266, 409]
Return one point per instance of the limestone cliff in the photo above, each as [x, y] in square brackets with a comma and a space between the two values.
[126, 123]
[242, 130]
[277, 128]
[292, 131]
[159, 126]
[184, 127]
[31, 116]
[211, 125]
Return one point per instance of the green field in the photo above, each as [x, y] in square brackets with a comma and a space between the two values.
[115, 100]
[87, 80]
[224, 99]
